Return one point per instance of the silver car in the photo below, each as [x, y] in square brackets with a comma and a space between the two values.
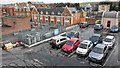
[98, 53]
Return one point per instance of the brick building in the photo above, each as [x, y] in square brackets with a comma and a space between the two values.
[110, 19]
[23, 9]
[64, 16]
[14, 24]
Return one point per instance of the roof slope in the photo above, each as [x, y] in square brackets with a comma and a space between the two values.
[50, 10]
[112, 14]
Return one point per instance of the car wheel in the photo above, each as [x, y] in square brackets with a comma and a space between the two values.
[53, 47]
[113, 46]
[101, 60]
[72, 50]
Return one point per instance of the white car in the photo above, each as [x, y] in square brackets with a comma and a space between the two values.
[58, 41]
[84, 47]
[109, 41]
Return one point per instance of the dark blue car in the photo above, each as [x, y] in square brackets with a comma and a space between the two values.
[114, 29]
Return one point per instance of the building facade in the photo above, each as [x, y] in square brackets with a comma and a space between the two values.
[103, 8]
[110, 18]
[22, 9]
[12, 24]
[63, 16]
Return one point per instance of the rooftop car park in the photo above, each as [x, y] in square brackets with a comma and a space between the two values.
[44, 55]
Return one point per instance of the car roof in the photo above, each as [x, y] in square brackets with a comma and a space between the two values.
[114, 26]
[72, 32]
[109, 36]
[73, 39]
[58, 37]
[96, 35]
[100, 46]
[86, 41]
[97, 24]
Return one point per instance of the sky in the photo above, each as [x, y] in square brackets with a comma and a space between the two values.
[52, 1]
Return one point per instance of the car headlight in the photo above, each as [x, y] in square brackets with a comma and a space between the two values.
[95, 42]
[116, 29]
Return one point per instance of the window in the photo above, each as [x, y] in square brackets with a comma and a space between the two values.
[52, 12]
[62, 39]
[57, 40]
[58, 13]
[89, 45]
[41, 12]
[46, 12]
[21, 9]
[76, 42]
[105, 48]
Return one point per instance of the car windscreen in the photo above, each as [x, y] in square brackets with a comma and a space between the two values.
[114, 27]
[71, 34]
[97, 50]
[70, 43]
[96, 26]
[94, 38]
[84, 46]
[107, 40]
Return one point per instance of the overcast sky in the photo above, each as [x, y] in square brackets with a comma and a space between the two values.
[51, 1]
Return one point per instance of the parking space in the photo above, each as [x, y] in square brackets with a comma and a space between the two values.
[44, 55]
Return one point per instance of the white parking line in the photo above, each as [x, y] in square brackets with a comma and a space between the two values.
[109, 56]
[36, 60]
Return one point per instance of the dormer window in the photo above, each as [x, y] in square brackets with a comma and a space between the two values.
[52, 12]
[46, 12]
[41, 12]
[58, 13]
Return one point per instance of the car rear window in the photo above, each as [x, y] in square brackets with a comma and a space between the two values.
[70, 43]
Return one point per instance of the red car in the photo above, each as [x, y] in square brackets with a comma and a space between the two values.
[71, 45]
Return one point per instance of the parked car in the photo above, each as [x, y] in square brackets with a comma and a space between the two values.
[71, 45]
[98, 53]
[73, 34]
[58, 41]
[98, 27]
[96, 38]
[83, 24]
[114, 29]
[109, 41]
[84, 48]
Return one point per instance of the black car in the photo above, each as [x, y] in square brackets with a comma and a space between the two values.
[73, 35]
[83, 24]
[96, 38]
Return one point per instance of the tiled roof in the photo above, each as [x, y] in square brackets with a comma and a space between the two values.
[111, 14]
[72, 9]
[51, 11]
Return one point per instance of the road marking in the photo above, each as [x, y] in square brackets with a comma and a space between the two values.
[71, 54]
[109, 56]
[36, 60]
[29, 50]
